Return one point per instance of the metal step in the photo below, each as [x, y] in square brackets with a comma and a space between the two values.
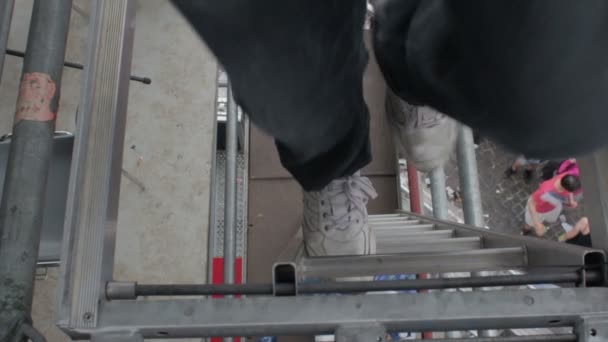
[463, 261]
[381, 229]
[440, 245]
[390, 218]
[407, 235]
[387, 217]
[400, 222]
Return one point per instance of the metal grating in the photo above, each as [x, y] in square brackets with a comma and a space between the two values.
[241, 215]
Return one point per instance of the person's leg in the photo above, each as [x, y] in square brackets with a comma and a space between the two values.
[553, 215]
[296, 68]
[528, 222]
[530, 168]
[515, 166]
[424, 136]
[503, 67]
[548, 217]
[582, 226]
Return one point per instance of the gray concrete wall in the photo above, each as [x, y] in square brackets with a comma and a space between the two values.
[162, 228]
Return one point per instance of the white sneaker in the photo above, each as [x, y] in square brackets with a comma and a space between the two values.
[425, 136]
[335, 218]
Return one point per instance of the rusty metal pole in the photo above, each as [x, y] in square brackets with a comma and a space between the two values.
[28, 165]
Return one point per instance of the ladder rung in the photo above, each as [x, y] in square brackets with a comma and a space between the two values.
[391, 217]
[465, 261]
[405, 222]
[442, 245]
[405, 234]
[404, 228]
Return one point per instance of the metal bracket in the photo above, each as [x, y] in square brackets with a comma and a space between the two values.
[121, 290]
[374, 332]
[284, 279]
[592, 329]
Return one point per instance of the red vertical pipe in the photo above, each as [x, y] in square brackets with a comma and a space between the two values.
[414, 185]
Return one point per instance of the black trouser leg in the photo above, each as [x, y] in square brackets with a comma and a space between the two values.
[296, 67]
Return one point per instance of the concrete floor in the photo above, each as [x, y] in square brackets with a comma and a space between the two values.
[163, 219]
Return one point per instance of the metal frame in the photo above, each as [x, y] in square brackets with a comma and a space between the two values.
[93, 193]
[356, 266]
[265, 316]
[217, 196]
[85, 311]
[438, 311]
[540, 253]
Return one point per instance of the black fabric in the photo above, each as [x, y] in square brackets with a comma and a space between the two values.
[581, 240]
[296, 68]
[532, 74]
[550, 169]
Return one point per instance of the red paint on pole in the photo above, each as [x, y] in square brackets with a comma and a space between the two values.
[414, 186]
[35, 96]
[218, 278]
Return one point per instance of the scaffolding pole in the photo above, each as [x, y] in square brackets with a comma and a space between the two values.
[28, 164]
[438, 195]
[469, 178]
[471, 193]
[230, 194]
[6, 13]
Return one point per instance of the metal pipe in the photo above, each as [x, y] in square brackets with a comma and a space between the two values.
[454, 334]
[533, 338]
[469, 178]
[471, 193]
[29, 160]
[15, 53]
[438, 194]
[443, 283]
[6, 14]
[230, 190]
[211, 237]
[118, 290]
[413, 182]
[205, 290]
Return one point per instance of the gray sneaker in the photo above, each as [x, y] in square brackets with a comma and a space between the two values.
[335, 218]
[425, 136]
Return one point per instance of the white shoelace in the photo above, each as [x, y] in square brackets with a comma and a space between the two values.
[357, 191]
